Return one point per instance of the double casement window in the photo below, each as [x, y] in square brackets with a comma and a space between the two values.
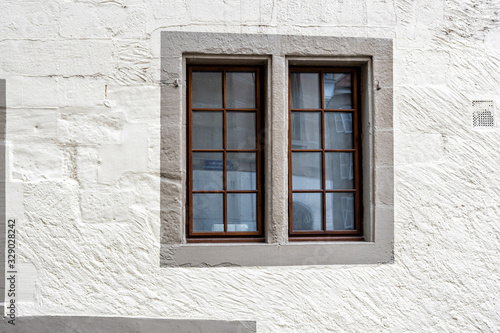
[225, 154]
[275, 150]
[324, 154]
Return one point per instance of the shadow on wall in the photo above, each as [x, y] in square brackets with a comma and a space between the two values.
[67, 324]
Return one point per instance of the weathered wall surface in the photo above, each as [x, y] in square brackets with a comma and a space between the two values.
[83, 145]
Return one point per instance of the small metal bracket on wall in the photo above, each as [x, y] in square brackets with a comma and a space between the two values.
[175, 82]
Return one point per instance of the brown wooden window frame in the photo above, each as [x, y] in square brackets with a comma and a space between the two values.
[226, 236]
[329, 235]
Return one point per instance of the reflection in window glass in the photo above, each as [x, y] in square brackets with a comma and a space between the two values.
[338, 130]
[240, 90]
[339, 211]
[207, 211]
[207, 171]
[207, 130]
[337, 90]
[307, 211]
[306, 171]
[305, 91]
[339, 171]
[306, 130]
[241, 212]
[207, 90]
[240, 130]
[241, 171]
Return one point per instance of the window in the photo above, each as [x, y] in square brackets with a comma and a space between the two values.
[353, 131]
[324, 154]
[224, 154]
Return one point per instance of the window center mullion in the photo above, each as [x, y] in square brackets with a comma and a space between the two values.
[323, 155]
[224, 146]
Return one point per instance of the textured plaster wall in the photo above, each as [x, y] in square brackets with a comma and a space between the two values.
[83, 146]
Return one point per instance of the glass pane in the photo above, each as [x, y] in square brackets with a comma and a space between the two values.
[305, 91]
[241, 171]
[306, 130]
[340, 211]
[208, 212]
[306, 171]
[207, 130]
[240, 130]
[338, 130]
[307, 211]
[337, 89]
[207, 90]
[339, 171]
[207, 171]
[241, 212]
[240, 90]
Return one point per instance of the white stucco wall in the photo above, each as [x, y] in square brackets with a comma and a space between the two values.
[83, 145]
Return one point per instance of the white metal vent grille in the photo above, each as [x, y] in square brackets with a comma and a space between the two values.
[482, 114]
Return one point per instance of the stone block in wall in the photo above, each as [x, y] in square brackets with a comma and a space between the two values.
[145, 188]
[32, 125]
[300, 12]
[257, 11]
[174, 12]
[134, 62]
[172, 145]
[104, 204]
[91, 129]
[171, 195]
[51, 203]
[141, 103]
[154, 148]
[206, 11]
[383, 155]
[492, 39]
[29, 19]
[31, 92]
[341, 12]
[431, 110]
[382, 119]
[103, 19]
[57, 57]
[81, 93]
[36, 161]
[424, 67]
[129, 156]
[419, 22]
[420, 148]
[87, 162]
[39, 92]
[14, 90]
[384, 190]
[381, 13]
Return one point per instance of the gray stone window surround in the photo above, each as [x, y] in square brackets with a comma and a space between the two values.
[276, 53]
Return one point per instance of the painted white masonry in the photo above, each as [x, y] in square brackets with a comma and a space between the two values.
[83, 145]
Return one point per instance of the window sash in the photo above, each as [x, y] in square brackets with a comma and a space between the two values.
[239, 195]
[351, 205]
